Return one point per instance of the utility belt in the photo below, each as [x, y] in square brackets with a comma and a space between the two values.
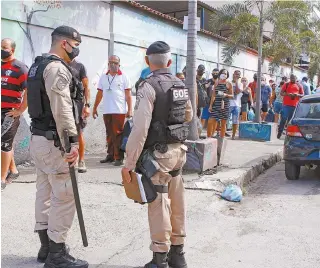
[50, 135]
[147, 166]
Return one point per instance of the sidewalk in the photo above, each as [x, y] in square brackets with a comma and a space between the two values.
[243, 161]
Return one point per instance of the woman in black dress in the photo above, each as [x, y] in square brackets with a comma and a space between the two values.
[219, 104]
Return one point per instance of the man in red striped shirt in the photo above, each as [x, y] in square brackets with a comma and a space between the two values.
[13, 104]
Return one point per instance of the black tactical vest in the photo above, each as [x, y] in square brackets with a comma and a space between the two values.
[168, 124]
[38, 101]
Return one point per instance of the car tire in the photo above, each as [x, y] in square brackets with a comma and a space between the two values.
[292, 171]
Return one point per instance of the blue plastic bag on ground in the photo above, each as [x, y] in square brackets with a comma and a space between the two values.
[232, 193]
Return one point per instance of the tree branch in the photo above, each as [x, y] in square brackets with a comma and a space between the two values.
[25, 32]
[39, 10]
[259, 8]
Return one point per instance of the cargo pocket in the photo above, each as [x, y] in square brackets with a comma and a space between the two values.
[166, 160]
[40, 151]
[60, 186]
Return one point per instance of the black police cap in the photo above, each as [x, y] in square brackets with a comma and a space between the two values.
[68, 32]
[158, 47]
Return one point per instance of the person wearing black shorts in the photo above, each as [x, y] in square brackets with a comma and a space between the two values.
[83, 107]
[13, 104]
[265, 98]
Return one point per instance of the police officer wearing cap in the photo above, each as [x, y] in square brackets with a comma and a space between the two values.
[51, 91]
[160, 118]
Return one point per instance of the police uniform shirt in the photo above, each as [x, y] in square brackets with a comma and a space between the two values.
[141, 122]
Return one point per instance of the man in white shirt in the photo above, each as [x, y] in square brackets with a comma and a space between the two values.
[235, 103]
[115, 89]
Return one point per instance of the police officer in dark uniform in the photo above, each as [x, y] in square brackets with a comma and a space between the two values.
[51, 92]
[162, 111]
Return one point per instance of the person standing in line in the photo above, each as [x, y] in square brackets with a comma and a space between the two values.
[277, 106]
[220, 104]
[83, 107]
[181, 76]
[13, 104]
[306, 86]
[291, 92]
[265, 98]
[271, 82]
[51, 91]
[205, 112]
[154, 120]
[245, 99]
[201, 95]
[115, 90]
[235, 102]
[253, 85]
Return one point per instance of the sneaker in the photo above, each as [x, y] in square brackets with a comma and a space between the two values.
[279, 135]
[12, 176]
[227, 134]
[82, 167]
[118, 162]
[3, 185]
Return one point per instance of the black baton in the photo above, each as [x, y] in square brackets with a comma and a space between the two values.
[75, 191]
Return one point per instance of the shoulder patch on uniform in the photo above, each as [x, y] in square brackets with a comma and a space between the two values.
[139, 96]
[62, 80]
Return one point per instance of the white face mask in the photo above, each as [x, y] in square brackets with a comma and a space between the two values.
[223, 76]
[263, 83]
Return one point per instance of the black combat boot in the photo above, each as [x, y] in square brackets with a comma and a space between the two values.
[176, 257]
[159, 260]
[60, 258]
[44, 250]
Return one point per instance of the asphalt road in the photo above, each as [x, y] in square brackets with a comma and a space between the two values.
[275, 226]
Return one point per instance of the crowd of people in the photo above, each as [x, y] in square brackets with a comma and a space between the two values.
[223, 103]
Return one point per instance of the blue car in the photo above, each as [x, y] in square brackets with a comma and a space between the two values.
[302, 142]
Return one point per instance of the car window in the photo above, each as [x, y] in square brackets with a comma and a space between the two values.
[308, 110]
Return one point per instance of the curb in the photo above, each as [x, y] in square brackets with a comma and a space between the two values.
[244, 176]
[259, 168]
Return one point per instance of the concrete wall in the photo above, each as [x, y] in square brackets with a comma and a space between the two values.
[133, 31]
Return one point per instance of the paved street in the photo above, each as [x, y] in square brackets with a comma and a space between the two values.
[276, 225]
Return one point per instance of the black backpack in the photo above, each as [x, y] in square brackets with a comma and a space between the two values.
[202, 95]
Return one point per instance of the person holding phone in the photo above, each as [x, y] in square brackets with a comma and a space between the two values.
[220, 104]
[291, 93]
